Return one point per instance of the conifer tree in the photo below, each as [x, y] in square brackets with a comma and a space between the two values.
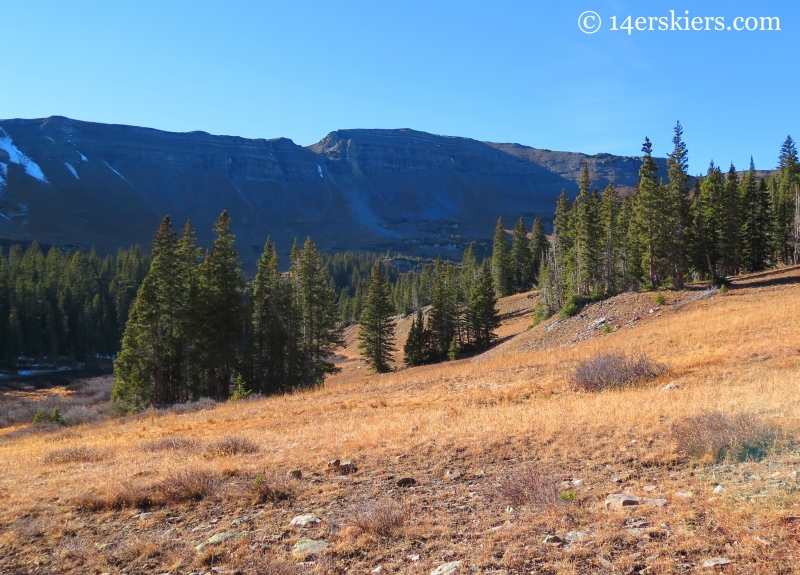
[679, 237]
[538, 247]
[376, 333]
[501, 262]
[755, 222]
[651, 218]
[587, 237]
[417, 346]
[521, 260]
[609, 239]
[483, 317]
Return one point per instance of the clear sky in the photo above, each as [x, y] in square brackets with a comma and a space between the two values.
[503, 71]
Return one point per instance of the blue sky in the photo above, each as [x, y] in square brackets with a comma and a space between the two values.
[504, 71]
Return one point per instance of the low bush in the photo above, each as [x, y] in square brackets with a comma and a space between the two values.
[530, 485]
[74, 455]
[614, 371]
[231, 445]
[382, 517]
[170, 444]
[571, 308]
[272, 487]
[716, 435]
[80, 414]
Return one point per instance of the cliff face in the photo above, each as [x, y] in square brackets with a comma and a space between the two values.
[72, 183]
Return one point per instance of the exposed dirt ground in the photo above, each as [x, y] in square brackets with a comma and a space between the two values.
[140, 494]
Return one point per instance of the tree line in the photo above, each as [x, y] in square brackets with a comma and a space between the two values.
[662, 234]
[198, 329]
[62, 308]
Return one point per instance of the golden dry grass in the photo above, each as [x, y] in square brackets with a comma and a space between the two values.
[482, 418]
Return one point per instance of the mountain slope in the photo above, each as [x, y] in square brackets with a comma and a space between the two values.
[73, 183]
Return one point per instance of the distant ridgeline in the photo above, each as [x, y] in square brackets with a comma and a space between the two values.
[65, 307]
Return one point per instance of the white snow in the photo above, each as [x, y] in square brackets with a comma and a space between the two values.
[71, 169]
[17, 157]
[83, 157]
[320, 170]
[116, 172]
[3, 174]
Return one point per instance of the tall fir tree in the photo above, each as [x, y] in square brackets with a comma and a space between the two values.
[538, 247]
[521, 259]
[755, 232]
[679, 236]
[501, 262]
[417, 347]
[650, 219]
[376, 333]
[483, 317]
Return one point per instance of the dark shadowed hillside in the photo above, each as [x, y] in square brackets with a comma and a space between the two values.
[72, 183]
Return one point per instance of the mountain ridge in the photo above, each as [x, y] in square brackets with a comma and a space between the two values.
[77, 184]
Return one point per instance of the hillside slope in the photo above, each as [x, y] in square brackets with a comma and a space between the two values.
[466, 432]
[72, 183]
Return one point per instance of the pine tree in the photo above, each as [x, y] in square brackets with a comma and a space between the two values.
[651, 219]
[609, 239]
[679, 238]
[538, 248]
[587, 238]
[376, 334]
[521, 260]
[755, 222]
[501, 262]
[417, 346]
[483, 317]
[318, 326]
[442, 318]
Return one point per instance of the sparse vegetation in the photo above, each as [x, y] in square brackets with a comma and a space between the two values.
[715, 436]
[382, 517]
[79, 454]
[231, 445]
[267, 486]
[530, 485]
[614, 371]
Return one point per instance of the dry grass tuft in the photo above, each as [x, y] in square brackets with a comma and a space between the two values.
[530, 485]
[272, 487]
[74, 455]
[180, 487]
[382, 517]
[170, 444]
[231, 445]
[615, 371]
[716, 435]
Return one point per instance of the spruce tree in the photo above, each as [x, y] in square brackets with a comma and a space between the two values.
[483, 317]
[609, 239]
[679, 236]
[651, 219]
[501, 262]
[376, 333]
[521, 260]
[417, 346]
[755, 222]
[586, 259]
[538, 247]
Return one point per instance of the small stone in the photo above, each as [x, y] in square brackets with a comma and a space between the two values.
[637, 523]
[650, 502]
[296, 474]
[553, 540]
[718, 489]
[670, 386]
[717, 561]
[577, 482]
[413, 558]
[452, 475]
[306, 547]
[214, 539]
[649, 488]
[684, 494]
[378, 569]
[448, 568]
[575, 536]
[304, 520]
[616, 478]
[617, 501]
[605, 562]
[334, 464]
[637, 532]
[406, 482]
[246, 518]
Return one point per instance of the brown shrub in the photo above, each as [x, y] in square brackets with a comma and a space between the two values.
[231, 445]
[179, 487]
[381, 517]
[716, 435]
[272, 487]
[614, 371]
[170, 444]
[74, 455]
[529, 485]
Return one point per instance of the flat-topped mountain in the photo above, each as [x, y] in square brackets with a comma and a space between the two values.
[71, 183]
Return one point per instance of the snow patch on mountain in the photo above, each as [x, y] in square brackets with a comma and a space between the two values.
[320, 170]
[71, 169]
[3, 175]
[83, 157]
[16, 157]
[120, 175]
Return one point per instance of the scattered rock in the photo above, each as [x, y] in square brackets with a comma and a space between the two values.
[651, 502]
[246, 518]
[306, 547]
[684, 494]
[637, 523]
[616, 478]
[649, 488]
[717, 561]
[452, 475]
[577, 482]
[718, 489]
[413, 558]
[638, 532]
[605, 562]
[304, 520]
[296, 474]
[553, 540]
[448, 568]
[340, 468]
[617, 501]
[378, 569]
[575, 536]
[406, 482]
[214, 539]
[670, 385]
